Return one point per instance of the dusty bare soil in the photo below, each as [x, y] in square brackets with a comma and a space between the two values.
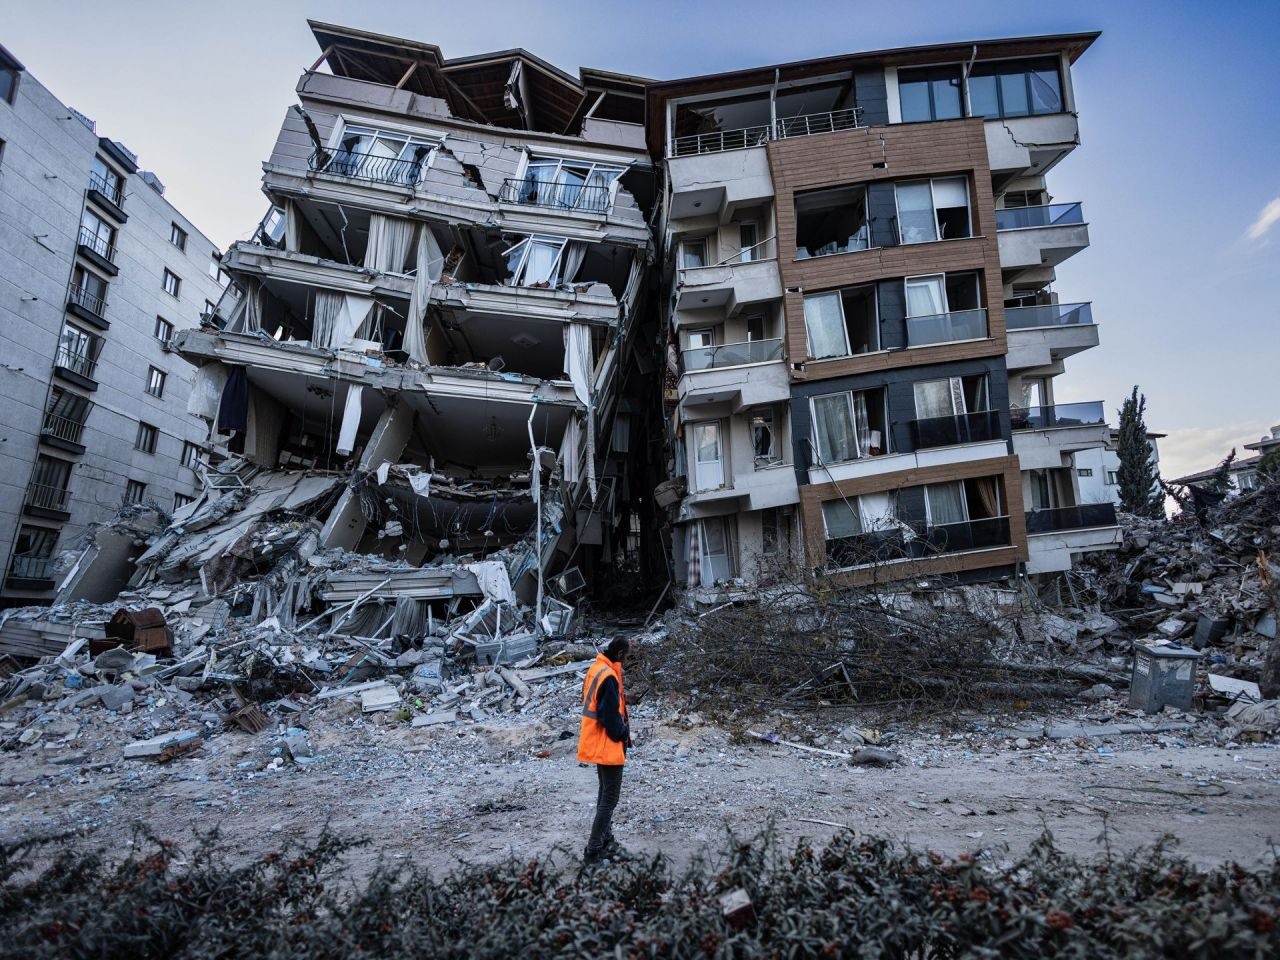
[479, 792]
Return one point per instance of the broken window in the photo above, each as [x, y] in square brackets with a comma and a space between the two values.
[1015, 88]
[544, 261]
[933, 210]
[33, 552]
[764, 437]
[366, 153]
[862, 530]
[726, 123]
[929, 93]
[831, 221]
[847, 426]
[843, 322]
[567, 184]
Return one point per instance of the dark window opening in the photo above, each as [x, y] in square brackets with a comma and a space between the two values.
[831, 221]
[842, 322]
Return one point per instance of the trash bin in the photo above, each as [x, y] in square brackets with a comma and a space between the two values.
[1162, 676]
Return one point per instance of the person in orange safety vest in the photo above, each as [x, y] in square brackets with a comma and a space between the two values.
[604, 734]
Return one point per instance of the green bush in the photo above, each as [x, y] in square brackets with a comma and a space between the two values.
[860, 896]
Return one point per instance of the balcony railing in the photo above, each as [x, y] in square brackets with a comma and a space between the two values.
[64, 428]
[731, 354]
[917, 542]
[1048, 315]
[47, 497]
[83, 298]
[812, 123]
[1079, 517]
[31, 567]
[969, 535]
[98, 244]
[976, 427]
[80, 363]
[114, 194]
[591, 197]
[1052, 215]
[1086, 414]
[879, 546]
[947, 327]
[720, 140]
[367, 166]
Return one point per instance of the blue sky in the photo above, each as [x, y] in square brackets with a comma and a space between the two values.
[1179, 171]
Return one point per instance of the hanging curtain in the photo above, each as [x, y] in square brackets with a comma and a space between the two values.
[233, 408]
[429, 267]
[352, 315]
[933, 399]
[824, 321]
[916, 219]
[693, 532]
[575, 251]
[946, 503]
[351, 411]
[389, 241]
[291, 227]
[539, 263]
[877, 511]
[578, 358]
[206, 390]
[262, 433]
[925, 297]
[861, 424]
[833, 428]
[328, 306]
[569, 451]
[988, 495]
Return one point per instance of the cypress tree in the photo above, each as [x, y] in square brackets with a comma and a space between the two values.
[1139, 487]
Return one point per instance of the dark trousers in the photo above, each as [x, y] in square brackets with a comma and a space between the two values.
[610, 778]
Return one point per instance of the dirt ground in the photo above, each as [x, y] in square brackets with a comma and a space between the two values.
[478, 792]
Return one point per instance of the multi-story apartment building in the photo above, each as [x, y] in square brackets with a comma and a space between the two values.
[440, 301]
[863, 336]
[97, 271]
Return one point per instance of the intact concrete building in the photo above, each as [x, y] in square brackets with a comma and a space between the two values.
[441, 304]
[863, 337]
[97, 271]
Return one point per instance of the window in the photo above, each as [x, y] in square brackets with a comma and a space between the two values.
[1084, 471]
[764, 437]
[78, 351]
[771, 534]
[146, 438]
[177, 236]
[49, 482]
[1247, 480]
[106, 181]
[172, 282]
[33, 552]
[1015, 88]
[364, 153]
[98, 235]
[748, 238]
[544, 261]
[89, 290]
[164, 330]
[8, 81]
[708, 456]
[155, 381]
[716, 551]
[1, 154]
[210, 308]
[693, 253]
[1113, 478]
[180, 500]
[860, 530]
[847, 426]
[842, 322]
[65, 414]
[568, 184]
[215, 262]
[933, 210]
[831, 221]
[190, 455]
[943, 308]
[950, 396]
[930, 93]
[134, 491]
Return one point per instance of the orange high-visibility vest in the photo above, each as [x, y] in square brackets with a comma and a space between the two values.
[594, 743]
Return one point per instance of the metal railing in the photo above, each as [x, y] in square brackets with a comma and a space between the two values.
[592, 197]
[968, 535]
[31, 567]
[80, 363]
[1088, 414]
[47, 497]
[975, 427]
[64, 428]
[947, 327]
[368, 166]
[731, 354]
[811, 123]
[720, 140]
[114, 194]
[99, 245]
[83, 298]
[1048, 315]
[1079, 517]
[877, 546]
[1051, 215]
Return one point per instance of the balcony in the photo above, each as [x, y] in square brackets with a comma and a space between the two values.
[87, 306]
[947, 328]
[79, 368]
[1040, 236]
[711, 375]
[1080, 517]
[730, 355]
[579, 197]
[110, 198]
[783, 128]
[62, 432]
[98, 250]
[43, 500]
[1047, 333]
[733, 283]
[977, 427]
[1045, 437]
[969, 535]
[1058, 416]
[1029, 146]
[30, 572]
[368, 167]
[808, 124]
[906, 542]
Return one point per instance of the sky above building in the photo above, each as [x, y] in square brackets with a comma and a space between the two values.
[1178, 172]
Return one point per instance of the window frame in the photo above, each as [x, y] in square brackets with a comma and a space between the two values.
[168, 275]
[185, 498]
[178, 236]
[933, 203]
[693, 242]
[10, 70]
[190, 456]
[937, 68]
[163, 324]
[158, 377]
[996, 69]
[147, 438]
[132, 487]
[721, 449]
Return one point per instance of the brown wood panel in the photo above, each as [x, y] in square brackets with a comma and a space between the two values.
[1005, 469]
[951, 147]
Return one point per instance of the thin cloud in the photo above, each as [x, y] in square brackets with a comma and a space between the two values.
[1267, 219]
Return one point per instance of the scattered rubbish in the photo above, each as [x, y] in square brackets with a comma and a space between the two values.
[737, 909]
[163, 748]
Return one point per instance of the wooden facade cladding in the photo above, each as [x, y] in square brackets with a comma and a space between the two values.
[887, 153]
[1008, 475]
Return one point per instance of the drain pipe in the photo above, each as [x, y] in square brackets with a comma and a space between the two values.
[537, 527]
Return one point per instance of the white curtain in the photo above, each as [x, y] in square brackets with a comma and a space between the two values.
[833, 428]
[925, 297]
[575, 251]
[354, 312]
[389, 242]
[934, 398]
[539, 263]
[916, 220]
[291, 227]
[878, 511]
[569, 451]
[950, 192]
[578, 360]
[350, 421]
[841, 518]
[824, 320]
[946, 503]
[262, 429]
[328, 306]
[862, 424]
[429, 267]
